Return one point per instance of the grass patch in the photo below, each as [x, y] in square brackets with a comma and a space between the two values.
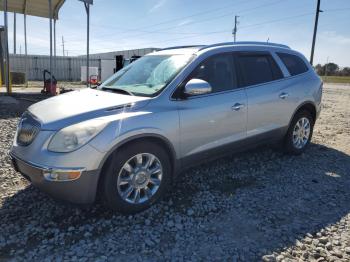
[336, 79]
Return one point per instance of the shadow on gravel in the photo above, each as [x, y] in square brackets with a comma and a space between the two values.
[244, 205]
[22, 102]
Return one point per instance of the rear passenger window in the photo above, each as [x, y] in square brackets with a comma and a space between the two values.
[258, 68]
[218, 71]
[294, 64]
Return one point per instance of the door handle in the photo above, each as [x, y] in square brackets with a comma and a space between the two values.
[283, 95]
[237, 106]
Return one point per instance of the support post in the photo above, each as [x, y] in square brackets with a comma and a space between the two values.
[25, 42]
[87, 8]
[14, 33]
[315, 32]
[7, 57]
[2, 65]
[50, 16]
[54, 43]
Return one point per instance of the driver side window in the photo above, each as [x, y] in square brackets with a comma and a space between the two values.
[218, 70]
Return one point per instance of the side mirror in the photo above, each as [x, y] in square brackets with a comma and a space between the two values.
[196, 87]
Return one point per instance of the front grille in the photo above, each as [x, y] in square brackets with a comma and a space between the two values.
[28, 128]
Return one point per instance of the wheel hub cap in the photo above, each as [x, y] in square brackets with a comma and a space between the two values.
[141, 179]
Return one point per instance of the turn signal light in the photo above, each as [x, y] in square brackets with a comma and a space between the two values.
[61, 175]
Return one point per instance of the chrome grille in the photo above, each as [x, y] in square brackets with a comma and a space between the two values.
[28, 128]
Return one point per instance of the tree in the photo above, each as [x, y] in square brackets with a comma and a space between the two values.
[345, 71]
[331, 68]
[319, 69]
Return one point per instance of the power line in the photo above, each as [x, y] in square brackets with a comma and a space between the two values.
[166, 30]
[337, 9]
[127, 30]
[216, 17]
[251, 25]
[189, 35]
[214, 32]
[219, 31]
[277, 20]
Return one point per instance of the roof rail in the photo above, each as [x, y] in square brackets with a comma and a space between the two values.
[246, 43]
[182, 46]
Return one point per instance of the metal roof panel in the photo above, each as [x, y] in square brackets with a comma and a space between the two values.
[38, 8]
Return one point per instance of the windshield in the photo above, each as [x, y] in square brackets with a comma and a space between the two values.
[148, 75]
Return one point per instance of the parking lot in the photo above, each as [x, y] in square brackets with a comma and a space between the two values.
[253, 206]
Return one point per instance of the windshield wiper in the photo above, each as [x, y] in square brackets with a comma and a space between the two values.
[118, 90]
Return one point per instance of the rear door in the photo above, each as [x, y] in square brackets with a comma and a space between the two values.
[267, 92]
[212, 120]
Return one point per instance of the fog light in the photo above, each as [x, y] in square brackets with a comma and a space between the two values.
[62, 175]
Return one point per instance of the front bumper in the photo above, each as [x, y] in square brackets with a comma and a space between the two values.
[80, 191]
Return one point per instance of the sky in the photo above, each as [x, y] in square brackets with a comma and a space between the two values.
[123, 25]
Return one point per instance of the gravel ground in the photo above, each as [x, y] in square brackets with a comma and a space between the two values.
[258, 205]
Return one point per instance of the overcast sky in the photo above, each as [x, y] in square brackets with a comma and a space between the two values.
[121, 25]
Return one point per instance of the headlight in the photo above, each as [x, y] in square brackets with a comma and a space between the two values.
[72, 137]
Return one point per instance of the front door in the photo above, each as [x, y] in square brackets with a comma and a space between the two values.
[212, 120]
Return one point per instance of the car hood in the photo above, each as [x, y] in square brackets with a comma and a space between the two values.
[73, 107]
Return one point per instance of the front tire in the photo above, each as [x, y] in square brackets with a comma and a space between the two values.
[299, 133]
[137, 175]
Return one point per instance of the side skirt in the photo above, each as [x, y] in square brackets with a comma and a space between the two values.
[271, 137]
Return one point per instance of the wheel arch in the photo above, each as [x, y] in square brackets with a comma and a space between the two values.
[154, 138]
[159, 139]
[307, 105]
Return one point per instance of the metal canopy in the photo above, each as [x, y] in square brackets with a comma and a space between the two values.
[41, 8]
[34, 7]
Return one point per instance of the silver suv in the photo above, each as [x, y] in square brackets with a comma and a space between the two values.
[128, 139]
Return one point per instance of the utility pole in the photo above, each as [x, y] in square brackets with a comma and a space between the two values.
[87, 8]
[234, 32]
[14, 33]
[318, 11]
[63, 45]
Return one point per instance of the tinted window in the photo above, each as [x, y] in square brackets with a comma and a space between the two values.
[218, 71]
[276, 71]
[258, 68]
[294, 64]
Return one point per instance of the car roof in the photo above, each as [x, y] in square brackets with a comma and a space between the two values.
[192, 49]
[176, 51]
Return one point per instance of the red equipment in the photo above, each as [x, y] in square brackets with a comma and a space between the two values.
[93, 80]
[49, 89]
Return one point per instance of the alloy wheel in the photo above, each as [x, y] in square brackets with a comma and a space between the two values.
[301, 132]
[139, 178]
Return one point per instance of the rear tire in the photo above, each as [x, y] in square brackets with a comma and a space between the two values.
[137, 176]
[299, 133]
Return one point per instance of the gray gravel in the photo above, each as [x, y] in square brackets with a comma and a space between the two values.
[253, 206]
